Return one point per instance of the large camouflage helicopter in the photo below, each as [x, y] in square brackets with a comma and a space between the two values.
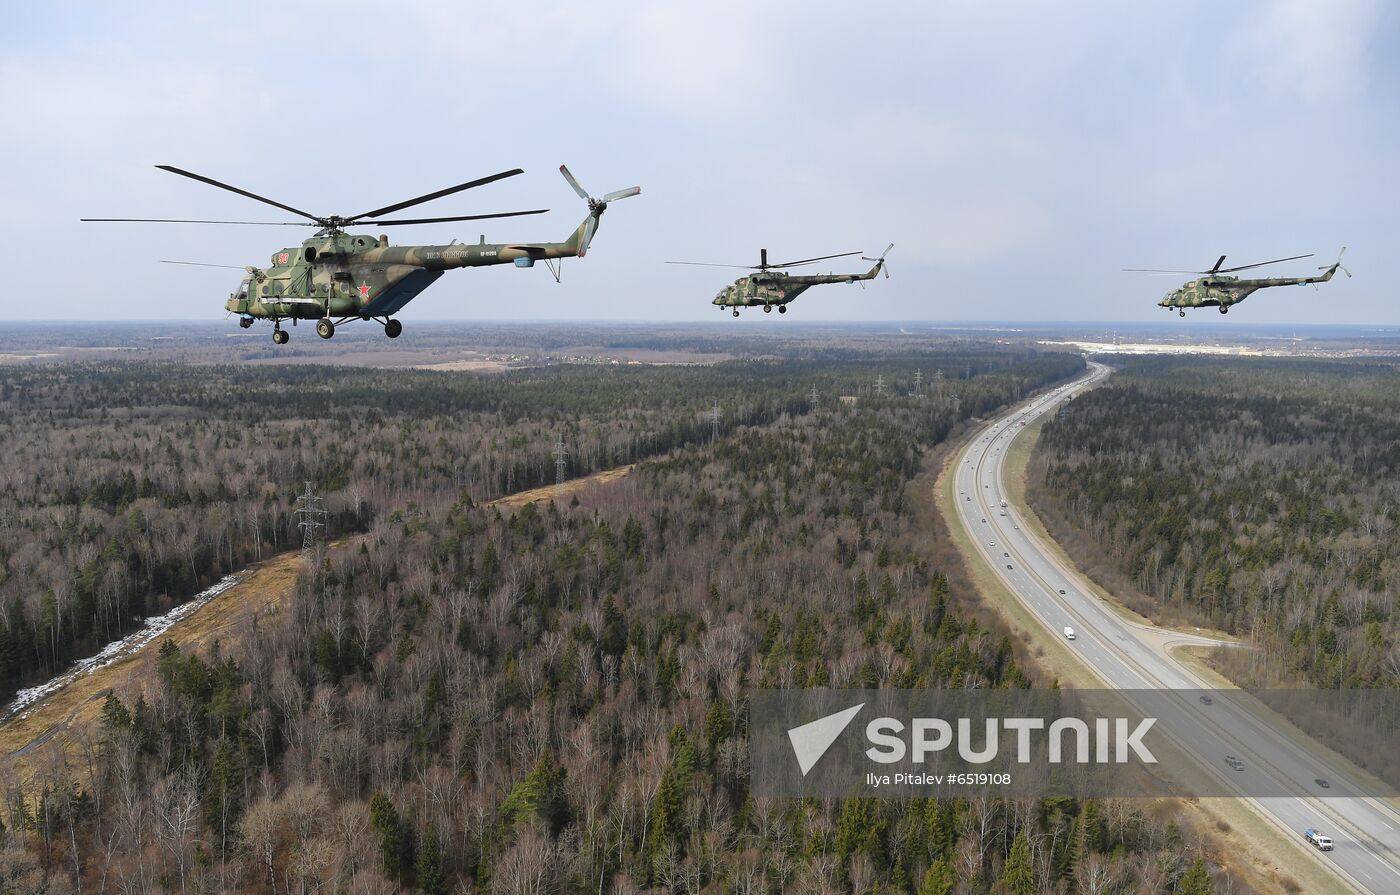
[335, 277]
[772, 287]
[1215, 288]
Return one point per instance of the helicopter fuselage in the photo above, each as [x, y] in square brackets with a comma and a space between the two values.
[775, 288]
[1223, 291]
[353, 275]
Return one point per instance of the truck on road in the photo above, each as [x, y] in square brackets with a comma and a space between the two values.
[1069, 633]
[1322, 842]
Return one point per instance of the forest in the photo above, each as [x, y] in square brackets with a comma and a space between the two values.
[553, 699]
[1260, 496]
[129, 487]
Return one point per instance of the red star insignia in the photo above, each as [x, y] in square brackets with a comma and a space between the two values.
[364, 291]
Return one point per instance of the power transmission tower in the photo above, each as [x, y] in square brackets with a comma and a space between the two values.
[813, 396]
[312, 511]
[714, 421]
[880, 384]
[918, 381]
[560, 455]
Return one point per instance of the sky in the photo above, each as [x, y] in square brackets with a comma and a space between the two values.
[1017, 154]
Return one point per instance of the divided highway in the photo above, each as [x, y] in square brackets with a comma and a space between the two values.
[1366, 831]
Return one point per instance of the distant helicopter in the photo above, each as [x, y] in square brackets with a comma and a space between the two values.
[335, 277]
[1215, 289]
[772, 287]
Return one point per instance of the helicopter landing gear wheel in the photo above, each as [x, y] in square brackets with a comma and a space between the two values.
[736, 312]
[782, 309]
[279, 337]
[1224, 309]
[1182, 312]
[325, 328]
[392, 328]
[767, 309]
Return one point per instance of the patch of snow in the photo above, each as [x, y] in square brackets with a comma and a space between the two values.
[154, 626]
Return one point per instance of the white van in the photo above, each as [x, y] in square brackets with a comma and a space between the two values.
[1069, 633]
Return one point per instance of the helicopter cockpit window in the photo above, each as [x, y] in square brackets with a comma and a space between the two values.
[242, 292]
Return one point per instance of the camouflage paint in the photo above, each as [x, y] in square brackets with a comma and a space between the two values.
[1223, 291]
[773, 288]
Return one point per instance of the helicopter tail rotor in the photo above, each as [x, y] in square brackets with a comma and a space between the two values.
[880, 261]
[1338, 263]
[596, 207]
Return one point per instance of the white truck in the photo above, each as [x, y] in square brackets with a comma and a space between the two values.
[1069, 633]
[1003, 503]
[1322, 842]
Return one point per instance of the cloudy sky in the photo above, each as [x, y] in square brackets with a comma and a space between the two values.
[1017, 154]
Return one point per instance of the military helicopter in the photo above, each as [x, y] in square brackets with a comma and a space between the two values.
[772, 287]
[1214, 288]
[335, 277]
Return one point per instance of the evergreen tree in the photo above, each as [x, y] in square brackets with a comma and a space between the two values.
[1018, 876]
[428, 867]
[1196, 881]
[384, 818]
[940, 879]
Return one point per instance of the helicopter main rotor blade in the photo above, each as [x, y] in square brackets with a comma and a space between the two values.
[622, 194]
[438, 195]
[459, 217]
[810, 260]
[202, 264]
[1158, 270]
[181, 221]
[708, 264]
[1262, 263]
[233, 189]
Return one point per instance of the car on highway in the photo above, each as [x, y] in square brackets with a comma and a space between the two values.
[1322, 842]
[984, 518]
[1005, 554]
[1234, 762]
[1008, 565]
[1062, 590]
[1206, 700]
[1323, 783]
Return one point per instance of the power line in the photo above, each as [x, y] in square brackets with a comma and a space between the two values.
[714, 421]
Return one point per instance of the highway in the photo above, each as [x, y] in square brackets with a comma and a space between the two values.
[1126, 655]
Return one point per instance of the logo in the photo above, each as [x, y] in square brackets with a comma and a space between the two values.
[810, 741]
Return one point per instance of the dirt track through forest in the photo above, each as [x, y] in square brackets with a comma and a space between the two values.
[66, 719]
